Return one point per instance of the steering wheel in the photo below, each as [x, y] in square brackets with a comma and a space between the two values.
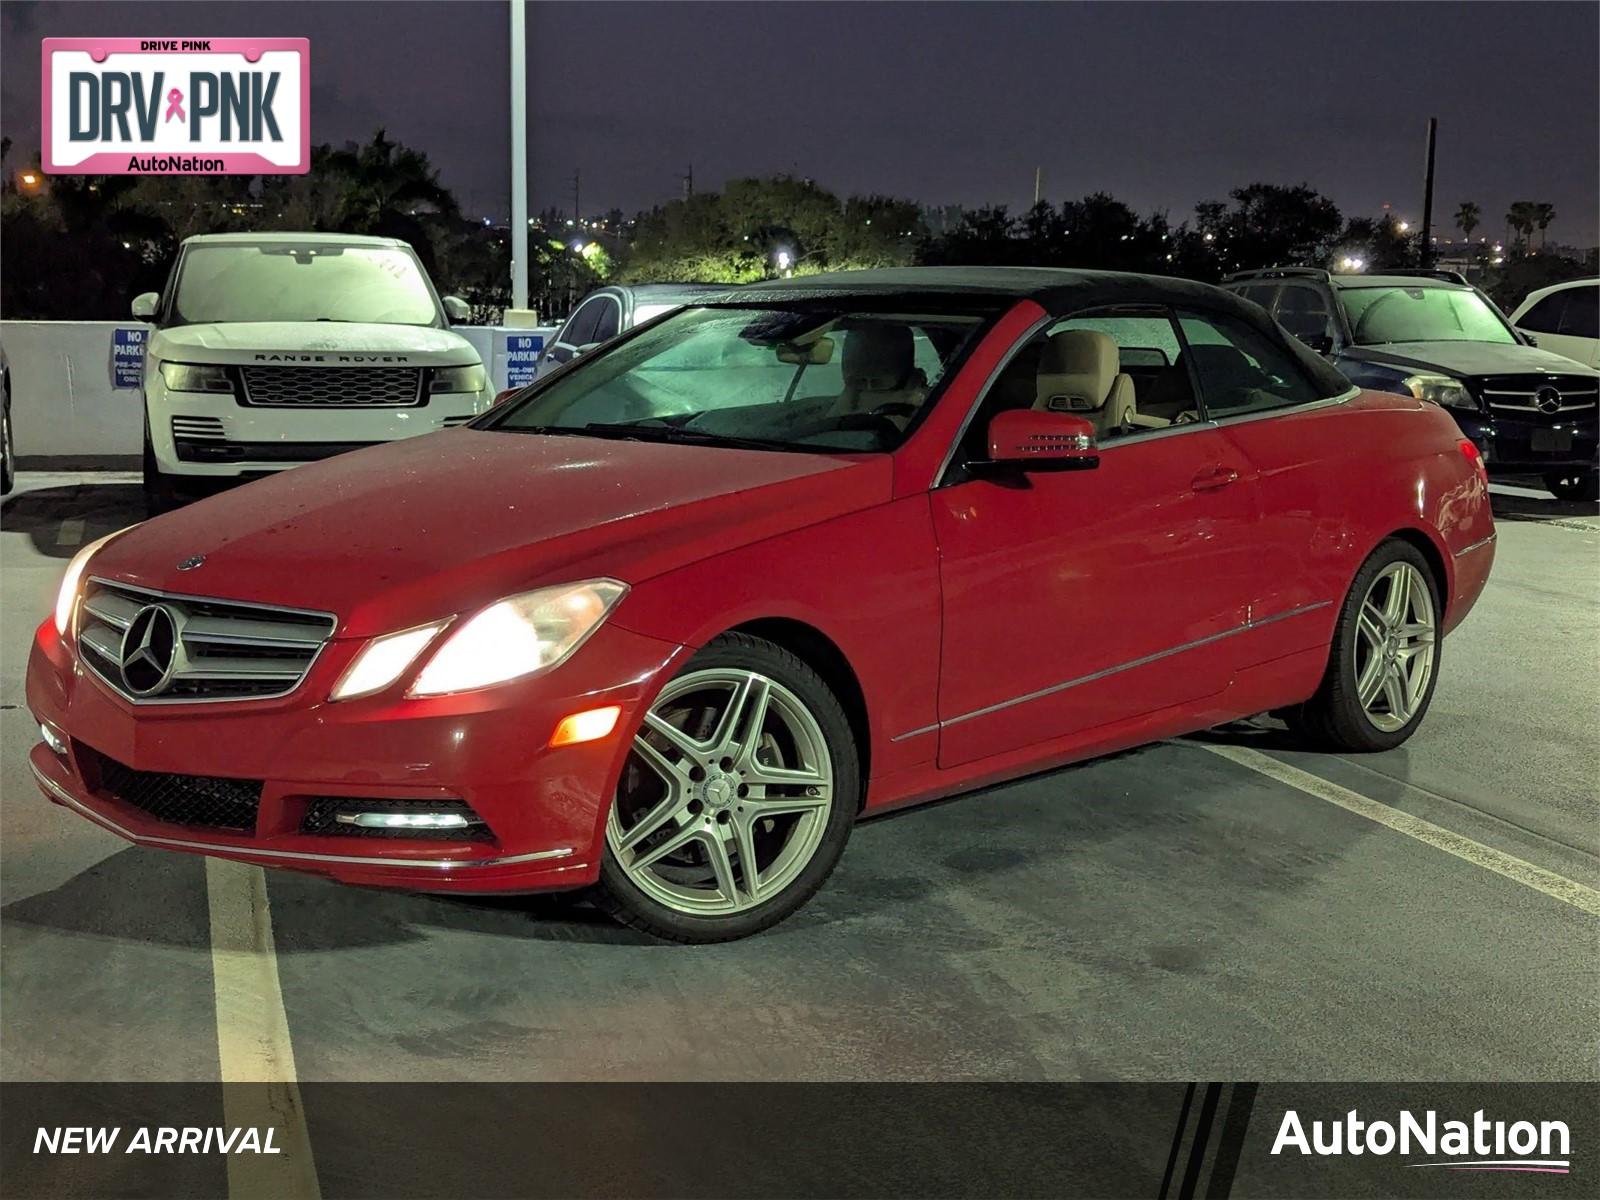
[894, 408]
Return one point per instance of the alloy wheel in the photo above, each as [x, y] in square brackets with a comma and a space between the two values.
[1395, 638]
[725, 796]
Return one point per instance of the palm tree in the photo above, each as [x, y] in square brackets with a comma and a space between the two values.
[1542, 215]
[1519, 219]
[1467, 218]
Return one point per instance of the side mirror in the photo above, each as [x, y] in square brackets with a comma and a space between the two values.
[456, 308]
[1528, 337]
[1322, 343]
[146, 305]
[1033, 440]
[579, 351]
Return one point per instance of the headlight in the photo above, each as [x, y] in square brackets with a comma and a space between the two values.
[459, 379]
[73, 579]
[194, 377]
[382, 660]
[1442, 390]
[517, 636]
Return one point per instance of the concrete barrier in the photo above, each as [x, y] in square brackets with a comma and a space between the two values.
[67, 410]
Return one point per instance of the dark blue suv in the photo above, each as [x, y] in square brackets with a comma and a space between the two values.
[1432, 335]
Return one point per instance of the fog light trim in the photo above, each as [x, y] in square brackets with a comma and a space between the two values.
[407, 820]
[50, 737]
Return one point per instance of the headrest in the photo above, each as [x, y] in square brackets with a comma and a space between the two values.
[1076, 370]
[878, 357]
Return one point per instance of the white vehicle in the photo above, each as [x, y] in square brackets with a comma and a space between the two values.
[1564, 319]
[275, 349]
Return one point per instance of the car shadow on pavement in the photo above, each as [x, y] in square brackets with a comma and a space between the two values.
[1545, 508]
[43, 514]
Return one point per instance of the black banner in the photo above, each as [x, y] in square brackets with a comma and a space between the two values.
[1170, 1141]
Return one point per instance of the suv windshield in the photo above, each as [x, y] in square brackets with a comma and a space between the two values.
[799, 378]
[1420, 314]
[311, 281]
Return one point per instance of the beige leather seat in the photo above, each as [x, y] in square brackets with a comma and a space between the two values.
[879, 367]
[1078, 373]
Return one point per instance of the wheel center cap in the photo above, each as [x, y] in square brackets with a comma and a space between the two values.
[718, 792]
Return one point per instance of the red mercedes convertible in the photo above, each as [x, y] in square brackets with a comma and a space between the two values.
[666, 623]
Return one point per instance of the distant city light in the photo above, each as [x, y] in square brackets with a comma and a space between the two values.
[1210, 237]
[1403, 226]
[1350, 263]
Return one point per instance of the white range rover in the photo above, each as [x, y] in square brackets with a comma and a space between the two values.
[275, 349]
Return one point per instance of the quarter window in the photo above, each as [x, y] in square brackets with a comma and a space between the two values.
[1303, 311]
[1240, 370]
[1545, 316]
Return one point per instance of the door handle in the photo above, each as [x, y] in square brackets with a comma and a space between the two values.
[1213, 478]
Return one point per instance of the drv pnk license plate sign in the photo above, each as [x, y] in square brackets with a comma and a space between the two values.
[177, 106]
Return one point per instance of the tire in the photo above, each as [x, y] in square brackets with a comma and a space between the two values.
[1574, 485]
[707, 782]
[8, 457]
[1364, 647]
[162, 492]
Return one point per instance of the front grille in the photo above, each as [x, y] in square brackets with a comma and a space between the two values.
[332, 387]
[1520, 393]
[322, 819]
[202, 428]
[202, 801]
[197, 649]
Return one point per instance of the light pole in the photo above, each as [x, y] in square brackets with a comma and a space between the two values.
[519, 157]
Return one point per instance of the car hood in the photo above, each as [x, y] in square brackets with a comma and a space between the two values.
[329, 343]
[1468, 359]
[406, 533]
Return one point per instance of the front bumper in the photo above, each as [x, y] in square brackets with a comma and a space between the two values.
[545, 809]
[213, 435]
[1531, 445]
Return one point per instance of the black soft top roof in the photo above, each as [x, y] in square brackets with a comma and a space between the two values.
[1058, 291]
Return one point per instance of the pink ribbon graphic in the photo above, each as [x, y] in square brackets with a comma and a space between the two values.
[175, 105]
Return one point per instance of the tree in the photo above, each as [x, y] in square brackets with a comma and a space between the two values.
[1520, 219]
[1542, 215]
[1468, 217]
[1272, 225]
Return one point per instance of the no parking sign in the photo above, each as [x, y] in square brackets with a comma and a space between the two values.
[127, 357]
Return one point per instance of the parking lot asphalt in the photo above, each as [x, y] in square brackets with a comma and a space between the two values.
[1223, 906]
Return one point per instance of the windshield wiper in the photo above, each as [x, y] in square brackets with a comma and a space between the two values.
[677, 434]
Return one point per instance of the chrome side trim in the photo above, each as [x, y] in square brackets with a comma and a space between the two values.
[1477, 545]
[437, 864]
[1119, 668]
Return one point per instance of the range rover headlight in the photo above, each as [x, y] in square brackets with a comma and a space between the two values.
[1443, 390]
[459, 379]
[195, 377]
[72, 581]
[517, 636]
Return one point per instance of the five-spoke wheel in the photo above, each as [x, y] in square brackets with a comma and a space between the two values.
[1385, 656]
[736, 799]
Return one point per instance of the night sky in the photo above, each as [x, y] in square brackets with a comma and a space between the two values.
[1160, 104]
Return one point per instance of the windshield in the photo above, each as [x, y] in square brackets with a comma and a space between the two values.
[1420, 314]
[768, 378]
[287, 281]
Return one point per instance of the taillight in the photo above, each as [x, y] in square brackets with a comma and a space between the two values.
[1470, 451]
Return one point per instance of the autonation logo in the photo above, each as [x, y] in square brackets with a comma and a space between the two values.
[1476, 1145]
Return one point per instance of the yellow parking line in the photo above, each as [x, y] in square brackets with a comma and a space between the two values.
[1568, 891]
[260, 1088]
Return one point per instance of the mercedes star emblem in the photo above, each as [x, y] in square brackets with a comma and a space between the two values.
[1548, 400]
[150, 650]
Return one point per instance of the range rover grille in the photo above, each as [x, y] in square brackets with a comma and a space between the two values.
[333, 387]
[156, 648]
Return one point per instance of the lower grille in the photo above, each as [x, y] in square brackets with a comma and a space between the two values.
[199, 801]
[157, 648]
[210, 451]
[322, 819]
[333, 387]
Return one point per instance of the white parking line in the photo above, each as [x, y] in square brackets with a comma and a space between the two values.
[71, 532]
[257, 1060]
[1568, 891]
